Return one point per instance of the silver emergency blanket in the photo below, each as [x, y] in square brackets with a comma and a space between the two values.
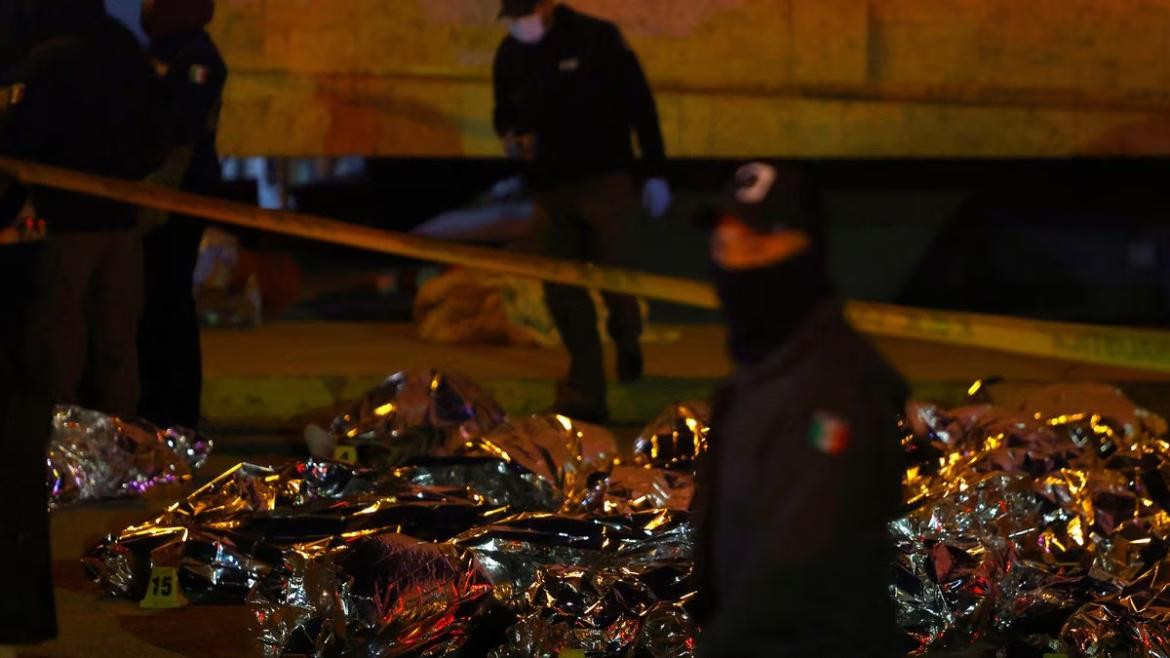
[629, 489]
[440, 553]
[392, 594]
[384, 595]
[608, 586]
[513, 550]
[676, 438]
[1044, 523]
[538, 463]
[1135, 620]
[606, 612]
[559, 456]
[93, 456]
[414, 414]
[232, 532]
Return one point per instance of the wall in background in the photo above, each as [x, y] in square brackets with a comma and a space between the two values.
[799, 78]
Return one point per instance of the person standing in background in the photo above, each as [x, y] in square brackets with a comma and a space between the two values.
[192, 75]
[569, 92]
[86, 104]
[804, 466]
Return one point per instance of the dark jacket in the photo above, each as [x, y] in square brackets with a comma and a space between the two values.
[802, 477]
[19, 23]
[580, 91]
[193, 75]
[87, 106]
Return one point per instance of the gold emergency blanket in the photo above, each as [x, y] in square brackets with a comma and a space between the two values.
[1042, 524]
[464, 537]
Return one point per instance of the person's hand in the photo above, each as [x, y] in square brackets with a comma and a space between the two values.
[508, 188]
[656, 197]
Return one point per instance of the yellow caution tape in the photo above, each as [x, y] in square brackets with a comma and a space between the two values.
[322, 229]
[1110, 346]
[1143, 349]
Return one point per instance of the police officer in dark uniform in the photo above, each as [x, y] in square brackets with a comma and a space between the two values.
[27, 609]
[804, 468]
[569, 92]
[192, 75]
[86, 105]
[17, 31]
[20, 28]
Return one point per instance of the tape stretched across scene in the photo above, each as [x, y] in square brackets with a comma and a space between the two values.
[1099, 345]
[1143, 349]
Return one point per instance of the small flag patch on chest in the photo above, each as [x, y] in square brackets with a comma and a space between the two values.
[829, 434]
[198, 74]
[15, 94]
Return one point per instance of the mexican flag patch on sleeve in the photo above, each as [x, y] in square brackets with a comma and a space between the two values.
[829, 434]
[15, 94]
[198, 74]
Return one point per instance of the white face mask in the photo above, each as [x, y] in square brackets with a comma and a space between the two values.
[528, 29]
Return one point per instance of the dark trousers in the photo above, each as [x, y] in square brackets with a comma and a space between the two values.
[170, 358]
[584, 220]
[27, 612]
[89, 302]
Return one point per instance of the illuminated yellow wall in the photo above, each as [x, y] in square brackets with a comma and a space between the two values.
[733, 77]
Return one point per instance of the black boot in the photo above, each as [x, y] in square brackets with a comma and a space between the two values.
[630, 366]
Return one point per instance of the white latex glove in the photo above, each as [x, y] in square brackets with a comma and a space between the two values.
[656, 197]
[509, 187]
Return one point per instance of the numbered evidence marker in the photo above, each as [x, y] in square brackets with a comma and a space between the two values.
[345, 454]
[163, 592]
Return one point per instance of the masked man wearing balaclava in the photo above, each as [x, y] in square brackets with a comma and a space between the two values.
[191, 75]
[569, 96]
[804, 467]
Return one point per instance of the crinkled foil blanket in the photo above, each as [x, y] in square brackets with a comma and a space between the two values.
[461, 534]
[93, 456]
[1041, 525]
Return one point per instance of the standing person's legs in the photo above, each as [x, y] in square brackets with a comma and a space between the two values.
[27, 612]
[170, 358]
[608, 208]
[58, 333]
[115, 309]
[562, 233]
